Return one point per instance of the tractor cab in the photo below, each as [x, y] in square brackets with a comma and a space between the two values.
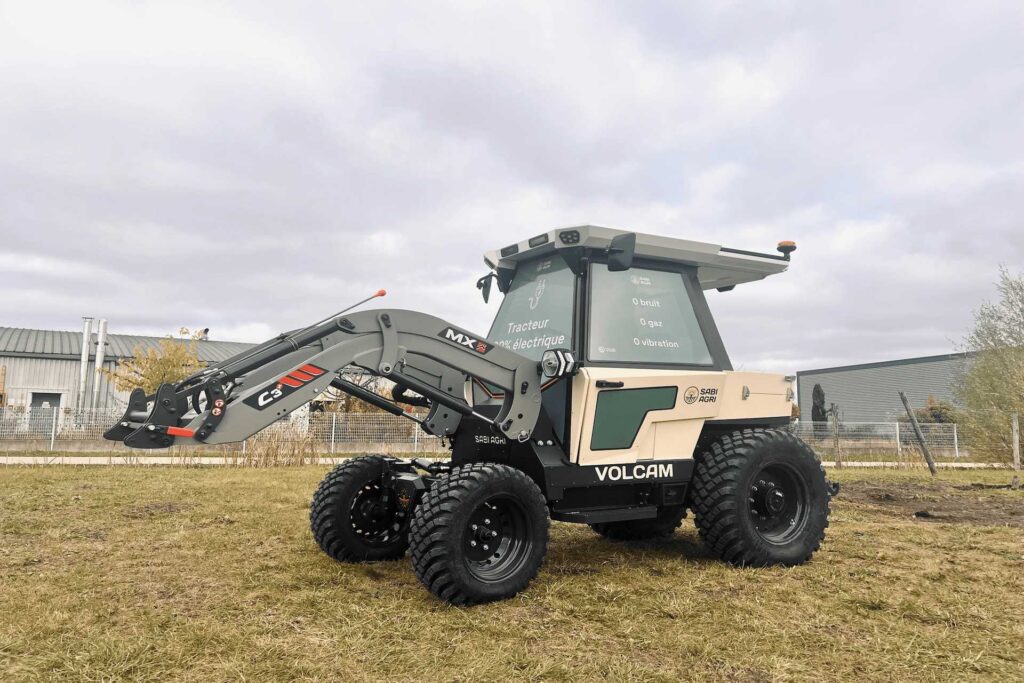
[616, 297]
[631, 310]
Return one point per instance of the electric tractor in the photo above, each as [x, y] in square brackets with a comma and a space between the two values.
[603, 395]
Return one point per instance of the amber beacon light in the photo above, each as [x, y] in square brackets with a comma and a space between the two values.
[786, 247]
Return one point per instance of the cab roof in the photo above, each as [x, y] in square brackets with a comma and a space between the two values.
[718, 267]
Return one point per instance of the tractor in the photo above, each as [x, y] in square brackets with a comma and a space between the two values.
[602, 395]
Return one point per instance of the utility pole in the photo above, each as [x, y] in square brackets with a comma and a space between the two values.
[919, 434]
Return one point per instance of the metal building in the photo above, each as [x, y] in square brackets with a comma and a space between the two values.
[47, 368]
[870, 392]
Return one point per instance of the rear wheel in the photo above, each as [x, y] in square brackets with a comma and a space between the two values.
[663, 526]
[480, 534]
[354, 517]
[760, 498]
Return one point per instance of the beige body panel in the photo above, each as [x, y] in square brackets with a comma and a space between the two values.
[750, 395]
[672, 434]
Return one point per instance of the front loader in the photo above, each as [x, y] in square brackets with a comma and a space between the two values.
[603, 395]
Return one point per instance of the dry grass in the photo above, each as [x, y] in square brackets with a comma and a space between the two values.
[283, 444]
[211, 574]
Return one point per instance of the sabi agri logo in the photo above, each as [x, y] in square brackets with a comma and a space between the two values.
[695, 395]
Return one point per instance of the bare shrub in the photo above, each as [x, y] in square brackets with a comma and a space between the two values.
[281, 444]
[991, 388]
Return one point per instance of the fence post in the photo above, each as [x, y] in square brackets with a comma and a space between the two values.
[835, 435]
[920, 435]
[956, 442]
[1015, 429]
[53, 428]
[334, 423]
[415, 437]
[899, 442]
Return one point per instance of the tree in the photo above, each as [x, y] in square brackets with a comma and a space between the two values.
[935, 411]
[172, 361]
[819, 413]
[992, 385]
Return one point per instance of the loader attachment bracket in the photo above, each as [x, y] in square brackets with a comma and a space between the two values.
[153, 433]
[135, 414]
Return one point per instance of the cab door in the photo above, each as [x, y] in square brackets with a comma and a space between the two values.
[622, 416]
[652, 365]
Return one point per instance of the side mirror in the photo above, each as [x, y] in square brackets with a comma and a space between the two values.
[620, 252]
[484, 285]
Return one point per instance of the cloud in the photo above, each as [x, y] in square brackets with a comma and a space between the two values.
[252, 168]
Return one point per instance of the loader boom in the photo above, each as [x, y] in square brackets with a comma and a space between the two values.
[237, 398]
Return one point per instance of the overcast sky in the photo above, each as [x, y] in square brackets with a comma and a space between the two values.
[252, 167]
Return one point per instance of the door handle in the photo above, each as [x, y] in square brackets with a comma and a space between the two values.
[608, 384]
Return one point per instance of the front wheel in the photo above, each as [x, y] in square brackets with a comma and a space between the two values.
[760, 498]
[355, 517]
[480, 534]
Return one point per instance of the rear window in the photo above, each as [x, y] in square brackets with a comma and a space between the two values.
[643, 316]
[536, 313]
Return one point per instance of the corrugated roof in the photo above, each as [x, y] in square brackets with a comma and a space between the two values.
[890, 363]
[16, 341]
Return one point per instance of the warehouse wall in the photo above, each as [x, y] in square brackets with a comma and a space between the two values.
[27, 375]
[869, 393]
[49, 361]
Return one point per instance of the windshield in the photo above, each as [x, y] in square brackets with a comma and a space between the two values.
[643, 316]
[536, 313]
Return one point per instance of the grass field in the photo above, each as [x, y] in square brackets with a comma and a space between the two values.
[211, 574]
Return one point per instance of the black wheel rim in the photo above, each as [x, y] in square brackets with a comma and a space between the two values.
[778, 503]
[497, 540]
[375, 521]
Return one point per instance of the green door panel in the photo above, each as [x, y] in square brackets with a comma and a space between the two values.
[620, 412]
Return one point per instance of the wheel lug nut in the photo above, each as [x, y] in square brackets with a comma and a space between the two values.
[474, 527]
[494, 534]
[486, 547]
[487, 521]
[472, 544]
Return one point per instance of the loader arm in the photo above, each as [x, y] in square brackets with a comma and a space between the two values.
[254, 389]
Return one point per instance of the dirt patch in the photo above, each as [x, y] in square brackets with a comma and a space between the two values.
[155, 510]
[982, 504]
[983, 487]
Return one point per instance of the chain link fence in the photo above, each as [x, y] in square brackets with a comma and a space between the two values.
[880, 440]
[49, 429]
[326, 433]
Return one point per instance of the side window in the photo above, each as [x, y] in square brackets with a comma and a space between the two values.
[643, 316]
[536, 313]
